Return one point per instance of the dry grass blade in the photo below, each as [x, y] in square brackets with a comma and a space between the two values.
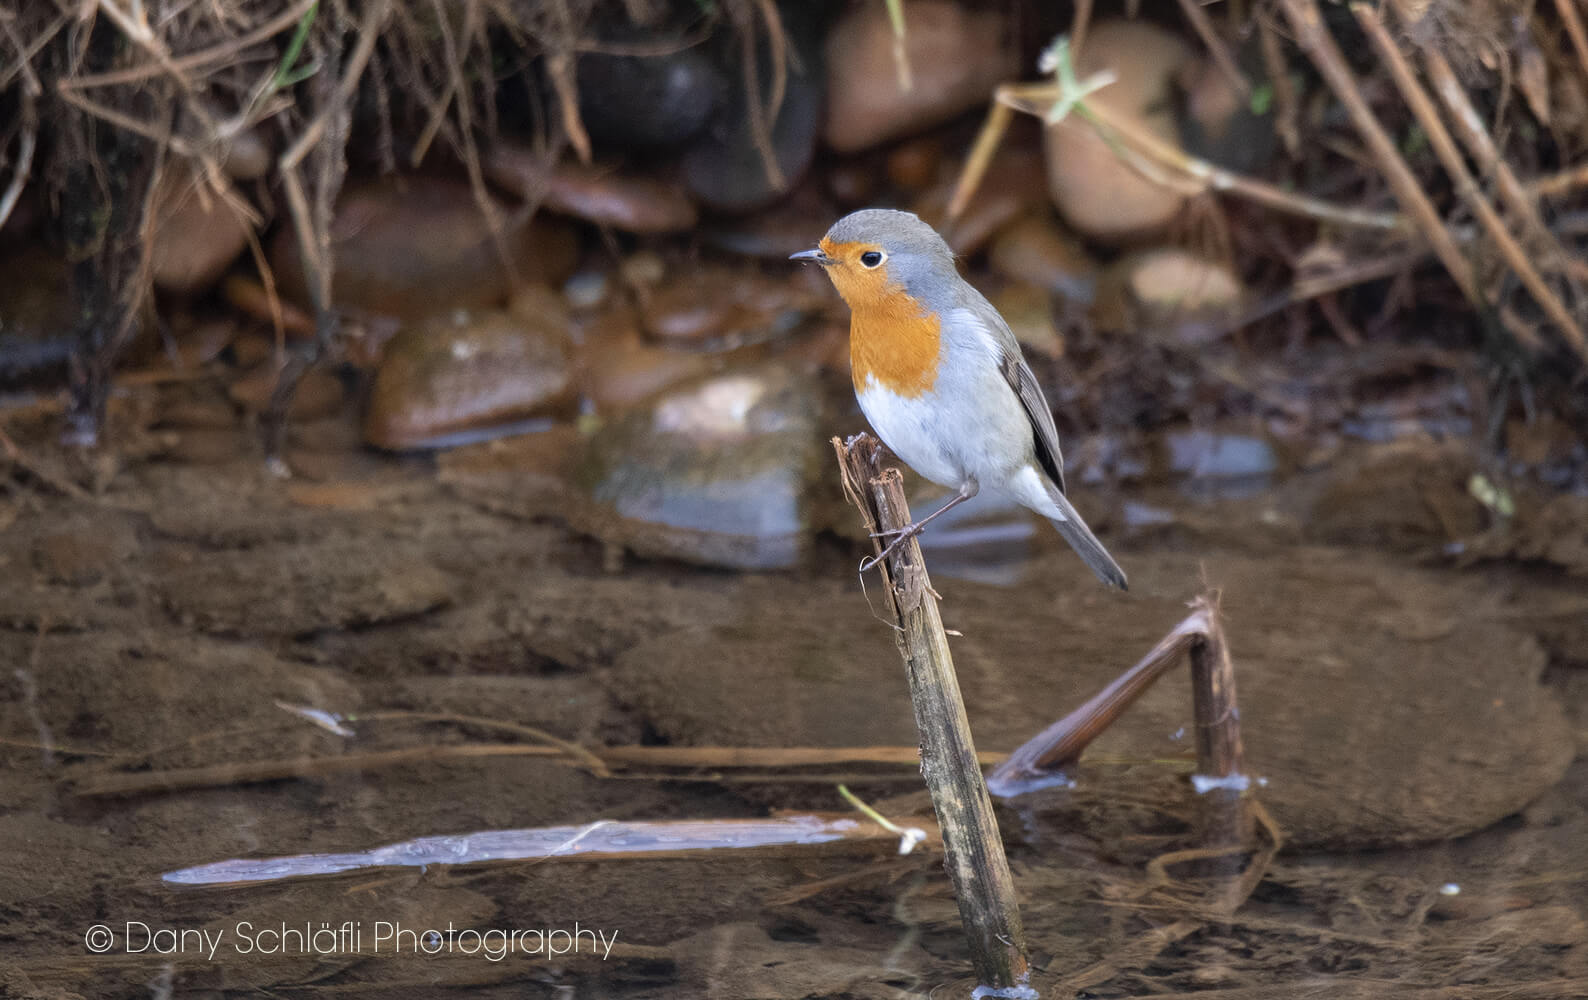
[761, 118]
[1216, 46]
[1287, 108]
[468, 148]
[25, 50]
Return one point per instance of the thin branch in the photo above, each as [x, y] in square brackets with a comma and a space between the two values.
[1201, 175]
[1469, 126]
[1574, 28]
[339, 102]
[1444, 147]
[1287, 107]
[1558, 184]
[1220, 50]
[25, 51]
[1315, 40]
[195, 60]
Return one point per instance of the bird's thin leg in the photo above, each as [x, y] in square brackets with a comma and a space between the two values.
[967, 490]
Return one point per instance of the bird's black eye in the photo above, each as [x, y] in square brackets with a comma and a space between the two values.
[871, 258]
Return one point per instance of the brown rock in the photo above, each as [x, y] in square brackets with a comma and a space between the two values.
[1038, 251]
[913, 165]
[209, 445]
[725, 167]
[1095, 192]
[318, 394]
[465, 371]
[197, 232]
[250, 296]
[853, 183]
[1028, 310]
[618, 368]
[539, 306]
[1219, 122]
[826, 347]
[412, 246]
[956, 59]
[248, 157]
[718, 472]
[1011, 188]
[1543, 438]
[36, 312]
[205, 342]
[793, 224]
[253, 349]
[725, 306]
[596, 194]
[1167, 288]
[193, 407]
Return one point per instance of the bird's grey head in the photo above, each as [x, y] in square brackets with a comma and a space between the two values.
[914, 255]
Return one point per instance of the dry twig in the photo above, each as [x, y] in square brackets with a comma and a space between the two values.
[972, 846]
[1444, 147]
[1317, 43]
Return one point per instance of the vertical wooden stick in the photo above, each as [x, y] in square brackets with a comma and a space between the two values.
[973, 849]
[1220, 753]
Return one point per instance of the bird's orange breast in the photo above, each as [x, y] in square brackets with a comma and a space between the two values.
[894, 341]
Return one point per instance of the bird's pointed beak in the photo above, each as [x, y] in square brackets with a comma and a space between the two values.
[814, 254]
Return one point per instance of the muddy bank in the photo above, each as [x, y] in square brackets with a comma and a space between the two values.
[165, 622]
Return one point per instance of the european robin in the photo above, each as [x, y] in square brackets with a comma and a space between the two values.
[941, 378]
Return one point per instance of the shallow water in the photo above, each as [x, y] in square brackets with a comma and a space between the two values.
[1417, 725]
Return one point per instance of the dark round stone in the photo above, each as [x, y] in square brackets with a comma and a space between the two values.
[629, 102]
[723, 168]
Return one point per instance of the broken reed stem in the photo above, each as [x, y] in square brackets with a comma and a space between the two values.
[1227, 818]
[1220, 752]
[972, 846]
[1040, 758]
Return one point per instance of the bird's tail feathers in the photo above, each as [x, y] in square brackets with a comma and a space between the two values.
[1084, 542]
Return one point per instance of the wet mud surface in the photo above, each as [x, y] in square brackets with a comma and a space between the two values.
[1415, 723]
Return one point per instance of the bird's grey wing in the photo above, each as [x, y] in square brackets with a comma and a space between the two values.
[1024, 383]
[1012, 364]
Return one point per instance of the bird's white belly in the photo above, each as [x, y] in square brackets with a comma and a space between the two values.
[916, 431]
[971, 426]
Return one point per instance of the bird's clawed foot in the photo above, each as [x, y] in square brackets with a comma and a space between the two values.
[967, 490]
[899, 536]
